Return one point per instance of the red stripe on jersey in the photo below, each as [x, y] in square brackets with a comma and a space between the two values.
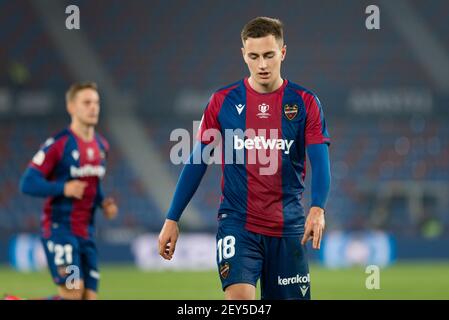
[210, 116]
[46, 218]
[264, 196]
[314, 124]
[82, 210]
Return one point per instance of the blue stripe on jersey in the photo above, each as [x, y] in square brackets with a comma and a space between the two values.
[295, 86]
[99, 197]
[235, 198]
[55, 138]
[323, 120]
[100, 143]
[98, 203]
[63, 206]
[293, 163]
[240, 83]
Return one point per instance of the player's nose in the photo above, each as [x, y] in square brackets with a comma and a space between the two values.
[262, 63]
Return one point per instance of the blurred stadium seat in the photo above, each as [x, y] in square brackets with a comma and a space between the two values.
[154, 50]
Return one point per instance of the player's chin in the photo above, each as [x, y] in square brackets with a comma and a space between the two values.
[93, 121]
[264, 79]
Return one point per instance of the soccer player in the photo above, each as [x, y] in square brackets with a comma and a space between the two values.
[67, 171]
[262, 230]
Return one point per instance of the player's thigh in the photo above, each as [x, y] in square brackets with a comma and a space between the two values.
[63, 259]
[75, 292]
[90, 294]
[286, 271]
[89, 264]
[240, 291]
[239, 254]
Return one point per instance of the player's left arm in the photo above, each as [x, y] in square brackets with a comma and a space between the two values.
[317, 143]
[321, 178]
[108, 204]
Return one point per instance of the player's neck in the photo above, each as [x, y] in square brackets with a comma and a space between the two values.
[84, 132]
[265, 88]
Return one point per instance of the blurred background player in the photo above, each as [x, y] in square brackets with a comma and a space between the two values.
[262, 229]
[67, 171]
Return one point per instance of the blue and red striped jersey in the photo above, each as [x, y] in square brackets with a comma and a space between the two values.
[263, 171]
[65, 157]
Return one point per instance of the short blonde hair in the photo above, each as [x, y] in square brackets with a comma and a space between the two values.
[77, 87]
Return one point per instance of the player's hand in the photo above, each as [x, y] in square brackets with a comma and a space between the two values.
[314, 227]
[110, 209]
[74, 189]
[167, 239]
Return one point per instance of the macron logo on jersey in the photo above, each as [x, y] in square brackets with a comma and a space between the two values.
[87, 171]
[260, 142]
[239, 108]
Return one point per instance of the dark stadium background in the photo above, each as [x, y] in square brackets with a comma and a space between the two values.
[385, 95]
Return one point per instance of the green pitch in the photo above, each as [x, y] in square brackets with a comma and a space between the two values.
[420, 280]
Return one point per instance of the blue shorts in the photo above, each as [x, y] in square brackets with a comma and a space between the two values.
[279, 262]
[69, 256]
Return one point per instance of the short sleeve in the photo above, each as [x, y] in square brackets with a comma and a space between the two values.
[315, 129]
[209, 124]
[47, 157]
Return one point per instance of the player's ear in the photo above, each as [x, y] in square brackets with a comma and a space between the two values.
[243, 54]
[70, 107]
[283, 51]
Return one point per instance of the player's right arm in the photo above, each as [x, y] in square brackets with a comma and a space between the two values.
[317, 145]
[35, 182]
[190, 177]
[188, 183]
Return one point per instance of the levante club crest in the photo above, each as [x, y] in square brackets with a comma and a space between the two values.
[224, 270]
[290, 111]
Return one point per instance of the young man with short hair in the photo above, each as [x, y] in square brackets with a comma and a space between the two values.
[262, 230]
[67, 170]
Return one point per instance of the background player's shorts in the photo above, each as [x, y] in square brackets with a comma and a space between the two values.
[244, 257]
[67, 255]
